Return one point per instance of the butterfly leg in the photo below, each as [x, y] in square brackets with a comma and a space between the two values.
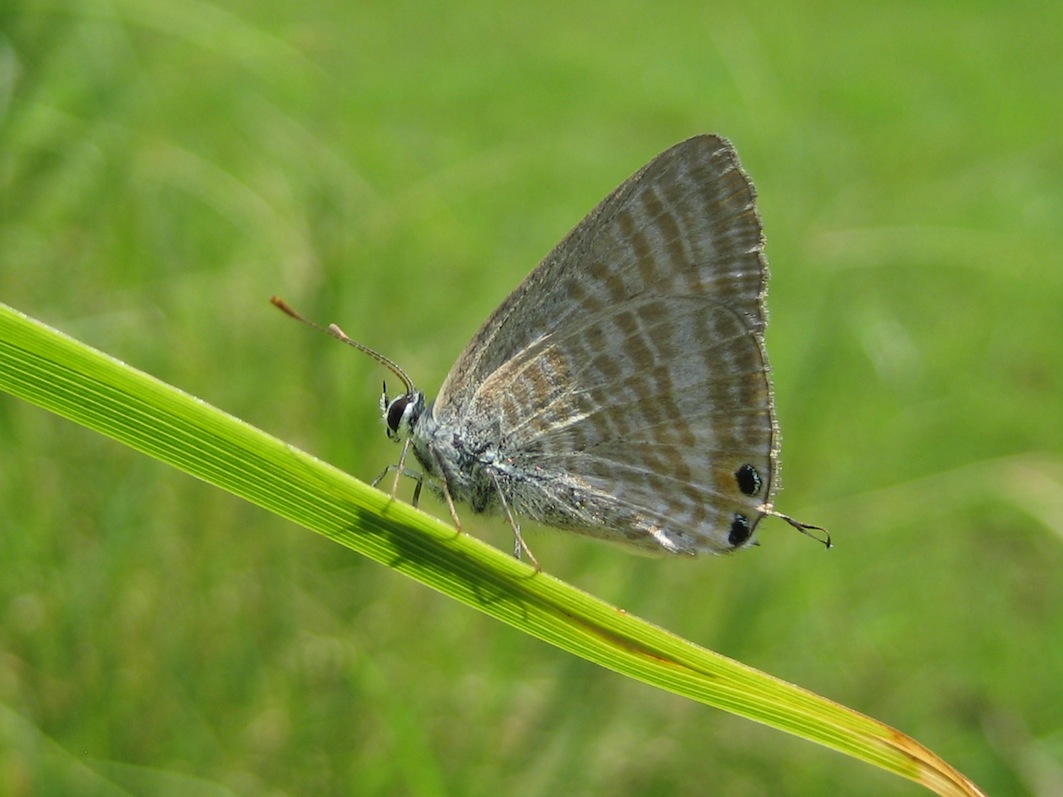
[409, 473]
[519, 545]
[401, 470]
[443, 481]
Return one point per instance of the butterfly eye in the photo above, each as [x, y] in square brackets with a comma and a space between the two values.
[396, 410]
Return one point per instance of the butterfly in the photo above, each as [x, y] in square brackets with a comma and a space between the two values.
[622, 391]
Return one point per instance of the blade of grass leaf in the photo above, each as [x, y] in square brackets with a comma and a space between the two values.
[57, 373]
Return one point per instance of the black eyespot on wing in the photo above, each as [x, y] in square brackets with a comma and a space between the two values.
[748, 479]
[741, 531]
[395, 411]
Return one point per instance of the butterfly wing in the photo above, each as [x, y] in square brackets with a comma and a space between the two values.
[628, 372]
[650, 422]
[684, 223]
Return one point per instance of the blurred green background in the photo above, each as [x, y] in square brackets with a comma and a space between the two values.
[398, 168]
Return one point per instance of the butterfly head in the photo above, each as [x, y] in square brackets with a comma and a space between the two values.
[401, 413]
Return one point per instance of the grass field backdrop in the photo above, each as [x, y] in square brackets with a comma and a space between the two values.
[398, 168]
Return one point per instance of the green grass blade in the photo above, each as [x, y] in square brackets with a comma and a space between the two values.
[53, 371]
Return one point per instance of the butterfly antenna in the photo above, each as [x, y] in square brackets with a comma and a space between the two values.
[340, 335]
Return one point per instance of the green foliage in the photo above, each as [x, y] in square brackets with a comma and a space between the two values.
[397, 168]
[48, 369]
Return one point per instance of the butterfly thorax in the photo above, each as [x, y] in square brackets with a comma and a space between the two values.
[472, 467]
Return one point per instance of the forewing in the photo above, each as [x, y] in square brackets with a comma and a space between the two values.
[684, 225]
